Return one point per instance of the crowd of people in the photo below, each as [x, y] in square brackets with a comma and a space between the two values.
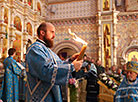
[46, 73]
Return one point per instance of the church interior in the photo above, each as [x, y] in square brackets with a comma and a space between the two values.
[108, 26]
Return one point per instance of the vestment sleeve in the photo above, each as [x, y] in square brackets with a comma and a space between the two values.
[41, 65]
[16, 69]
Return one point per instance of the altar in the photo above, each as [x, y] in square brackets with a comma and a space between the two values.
[105, 94]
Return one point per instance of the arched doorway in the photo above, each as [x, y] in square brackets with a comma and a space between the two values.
[66, 48]
[131, 52]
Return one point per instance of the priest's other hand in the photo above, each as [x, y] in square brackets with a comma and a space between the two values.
[74, 56]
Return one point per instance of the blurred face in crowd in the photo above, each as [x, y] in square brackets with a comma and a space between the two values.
[131, 76]
[107, 69]
[119, 71]
[85, 58]
[99, 62]
[1, 65]
[14, 55]
[124, 67]
[113, 68]
[92, 60]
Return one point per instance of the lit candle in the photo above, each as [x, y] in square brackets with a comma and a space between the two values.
[81, 54]
[76, 38]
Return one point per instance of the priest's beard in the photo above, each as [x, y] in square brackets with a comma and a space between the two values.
[131, 79]
[49, 42]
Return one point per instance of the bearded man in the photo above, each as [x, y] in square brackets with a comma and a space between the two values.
[46, 70]
[128, 89]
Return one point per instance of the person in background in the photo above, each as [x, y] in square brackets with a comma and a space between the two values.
[47, 72]
[119, 71]
[113, 69]
[100, 68]
[81, 90]
[1, 66]
[10, 89]
[63, 57]
[92, 61]
[107, 71]
[1, 73]
[85, 57]
[22, 82]
[127, 91]
[92, 87]
[124, 70]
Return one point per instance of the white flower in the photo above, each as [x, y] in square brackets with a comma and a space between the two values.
[1, 100]
[114, 86]
[76, 83]
[106, 82]
[103, 74]
[110, 82]
[115, 75]
[104, 78]
[121, 80]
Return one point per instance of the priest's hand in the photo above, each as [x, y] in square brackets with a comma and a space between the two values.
[74, 56]
[77, 64]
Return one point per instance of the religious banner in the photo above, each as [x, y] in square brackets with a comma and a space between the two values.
[107, 45]
[17, 23]
[6, 15]
[106, 5]
[29, 28]
[133, 56]
[17, 46]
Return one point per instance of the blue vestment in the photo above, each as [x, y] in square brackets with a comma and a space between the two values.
[9, 90]
[127, 92]
[41, 64]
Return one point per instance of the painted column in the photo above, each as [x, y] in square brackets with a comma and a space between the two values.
[2, 29]
[12, 36]
[99, 36]
[115, 39]
[1, 44]
[99, 5]
[2, 14]
[25, 39]
[12, 29]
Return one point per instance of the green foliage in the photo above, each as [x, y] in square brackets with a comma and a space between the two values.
[73, 93]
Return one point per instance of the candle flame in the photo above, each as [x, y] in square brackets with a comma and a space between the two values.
[76, 38]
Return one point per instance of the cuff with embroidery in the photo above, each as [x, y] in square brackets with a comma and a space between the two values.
[72, 67]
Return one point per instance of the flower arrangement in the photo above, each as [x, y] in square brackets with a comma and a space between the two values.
[73, 85]
[1, 100]
[117, 77]
[111, 84]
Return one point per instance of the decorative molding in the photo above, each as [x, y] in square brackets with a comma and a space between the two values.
[73, 10]
[134, 42]
[128, 17]
[62, 1]
[74, 21]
